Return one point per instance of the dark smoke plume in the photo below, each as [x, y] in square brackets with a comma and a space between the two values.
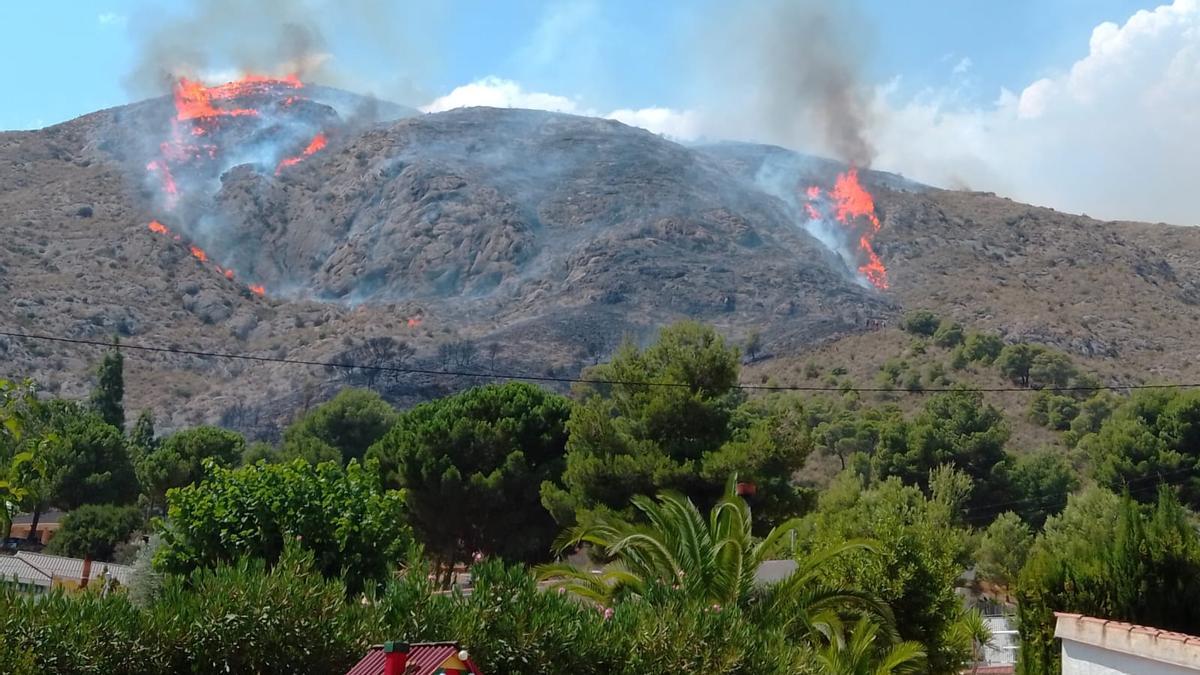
[792, 69]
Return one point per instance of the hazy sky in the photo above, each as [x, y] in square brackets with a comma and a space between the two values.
[1085, 105]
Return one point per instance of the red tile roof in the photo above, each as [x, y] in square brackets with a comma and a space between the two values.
[428, 656]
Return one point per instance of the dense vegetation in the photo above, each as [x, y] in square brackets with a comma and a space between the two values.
[675, 482]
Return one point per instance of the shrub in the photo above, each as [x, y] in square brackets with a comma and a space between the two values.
[920, 322]
[95, 530]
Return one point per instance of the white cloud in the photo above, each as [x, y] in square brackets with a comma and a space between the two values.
[111, 19]
[964, 64]
[497, 92]
[1117, 135]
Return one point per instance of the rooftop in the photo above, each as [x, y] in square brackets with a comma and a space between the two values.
[1145, 642]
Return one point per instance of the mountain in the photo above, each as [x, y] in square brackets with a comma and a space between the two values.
[506, 240]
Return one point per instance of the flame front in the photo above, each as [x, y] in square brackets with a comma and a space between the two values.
[314, 146]
[854, 210]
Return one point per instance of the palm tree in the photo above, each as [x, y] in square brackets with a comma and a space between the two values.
[713, 561]
[972, 632]
[861, 652]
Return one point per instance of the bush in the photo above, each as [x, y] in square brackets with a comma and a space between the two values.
[95, 530]
[982, 347]
[920, 322]
[949, 334]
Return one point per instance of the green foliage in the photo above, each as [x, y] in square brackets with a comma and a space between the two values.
[108, 398]
[628, 439]
[142, 439]
[920, 322]
[1141, 566]
[341, 429]
[260, 451]
[1051, 369]
[949, 334]
[95, 530]
[919, 554]
[341, 515]
[862, 650]
[1152, 437]
[753, 345]
[179, 459]
[472, 466]
[954, 428]
[982, 347]
[1053, 411]
[18, 448]
[1092, 414]
[1039, 484]
[87, 462]
[1015, 361]
[1003, 549]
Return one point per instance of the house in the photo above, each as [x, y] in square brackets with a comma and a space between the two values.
[1091, 645]
[48, 524]
[38, 572]
[421, 658]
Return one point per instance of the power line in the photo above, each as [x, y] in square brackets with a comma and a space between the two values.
[403, 370]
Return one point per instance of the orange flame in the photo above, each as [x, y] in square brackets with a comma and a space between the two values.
[198, 253]
[158, 227]
[414, 321]
[314, 146]
[257, 289]
[852, 205]
[229, 274]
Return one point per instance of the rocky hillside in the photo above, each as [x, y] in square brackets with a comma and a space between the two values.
[504, 240]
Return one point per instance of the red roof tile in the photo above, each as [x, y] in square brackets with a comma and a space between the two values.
[428, 656]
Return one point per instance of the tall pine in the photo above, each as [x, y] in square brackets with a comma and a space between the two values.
[108, 398]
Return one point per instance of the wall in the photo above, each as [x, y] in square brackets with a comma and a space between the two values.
[1084, 659]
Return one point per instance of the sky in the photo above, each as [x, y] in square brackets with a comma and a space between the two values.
[1084, 105]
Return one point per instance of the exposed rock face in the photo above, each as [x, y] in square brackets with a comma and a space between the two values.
[548, 236]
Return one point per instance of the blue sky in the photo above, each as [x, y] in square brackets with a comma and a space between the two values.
[1083, 105]
[65, 59]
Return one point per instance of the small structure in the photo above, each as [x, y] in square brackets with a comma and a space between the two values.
[1091, 645]
[48, 525]
[421, 658]
[38, 572]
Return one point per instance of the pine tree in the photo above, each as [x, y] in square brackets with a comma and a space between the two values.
[108, 398]
[141, 438]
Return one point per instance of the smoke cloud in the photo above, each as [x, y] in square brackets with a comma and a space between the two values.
[219, 40]
[788, 73]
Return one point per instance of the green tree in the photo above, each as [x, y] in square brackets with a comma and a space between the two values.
[472, 465]
[1039, 483]
[753, 346]
[1051, 369]
[108, 398]
[18, 447]
[95, 530]
[863, 650]
[949, 334]
[955, 428]
[628, 438]
[142, 439]
[179, 460]
[982, 347]
[1153, 437]
[1053, 411]
[920, 553]
[87, 463]
[1016, 360]
[1003, 549]
[342, 515]
[341, 429]
[920, 322]
[1142, 565]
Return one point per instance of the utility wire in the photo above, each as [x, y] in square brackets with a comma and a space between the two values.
[566, 380]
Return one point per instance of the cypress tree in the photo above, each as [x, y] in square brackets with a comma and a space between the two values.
[108, 398]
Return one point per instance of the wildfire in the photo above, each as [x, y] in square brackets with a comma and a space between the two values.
[158, 227]
[414, 321]
[314, 146]
[257, 289]
[198, 253]
[854, 209]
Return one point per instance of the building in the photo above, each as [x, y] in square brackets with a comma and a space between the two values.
[38, 572]
[422, 658]
[48, 524]
[1092, 646]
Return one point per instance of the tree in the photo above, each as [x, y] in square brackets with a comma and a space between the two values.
[630, 438]
[862, 650]
[108, 398]
[982, 347]
[17, 447]
[753, 346]
[1003, 549]
[1051, 369]
[919, 555]
[1139, 565]
[142, 440]
[1015, 361]
[342, 515]
[1154, 437]
[95, 530]
[341, 429]
[179, 460]
[1039, 484]
[920, 322]
[471, 466]
[955, 428]
[949, 334]
[87, 463]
